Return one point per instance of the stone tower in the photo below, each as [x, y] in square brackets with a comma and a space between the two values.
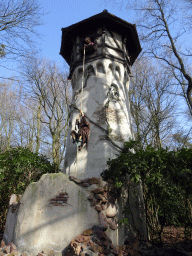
[55, 210]
[104, 99]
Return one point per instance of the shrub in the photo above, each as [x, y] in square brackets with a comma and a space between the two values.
[166, 178]
[19, 167]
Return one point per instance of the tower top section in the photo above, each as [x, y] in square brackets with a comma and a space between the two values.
[110, 37]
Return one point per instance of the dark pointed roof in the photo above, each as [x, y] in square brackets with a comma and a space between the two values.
[92, 24]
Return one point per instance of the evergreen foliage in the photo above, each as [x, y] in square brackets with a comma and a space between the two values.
[18, 168]
[166, 178]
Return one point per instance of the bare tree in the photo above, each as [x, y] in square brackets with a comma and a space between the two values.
[181, 140]
[51, 92]
[165, 35]
[26, 128]
[152, 106]
[8, 115]
[18, 20]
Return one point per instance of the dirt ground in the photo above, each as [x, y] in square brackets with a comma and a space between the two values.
[172, 237]
[175, 236]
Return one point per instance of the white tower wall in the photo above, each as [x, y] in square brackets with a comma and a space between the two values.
[106, 106]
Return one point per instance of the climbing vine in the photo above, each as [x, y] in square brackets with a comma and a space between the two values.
[166, 179]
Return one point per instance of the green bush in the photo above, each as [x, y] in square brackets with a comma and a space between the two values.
[19, 167]
[166, 178]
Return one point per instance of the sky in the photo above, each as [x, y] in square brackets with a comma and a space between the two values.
[63, 13]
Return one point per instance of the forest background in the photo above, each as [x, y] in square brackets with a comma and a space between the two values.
[35, 95]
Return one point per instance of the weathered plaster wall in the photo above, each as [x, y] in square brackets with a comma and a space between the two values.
[41, 225]
[105, 102]
[55, 210]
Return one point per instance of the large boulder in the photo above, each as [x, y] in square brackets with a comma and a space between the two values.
[52, 212]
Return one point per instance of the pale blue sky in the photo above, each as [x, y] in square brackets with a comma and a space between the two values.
[63, 13]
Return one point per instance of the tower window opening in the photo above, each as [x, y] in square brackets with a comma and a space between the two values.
[89, 44]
